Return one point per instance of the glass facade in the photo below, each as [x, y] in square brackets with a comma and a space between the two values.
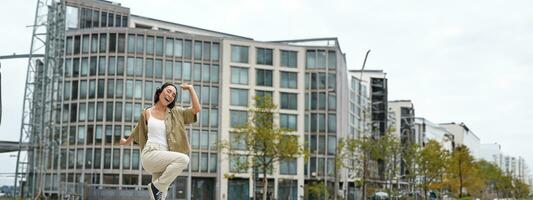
[320, 112]
[110, 74]
[109, 77]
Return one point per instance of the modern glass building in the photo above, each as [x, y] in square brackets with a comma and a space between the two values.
[112, 63]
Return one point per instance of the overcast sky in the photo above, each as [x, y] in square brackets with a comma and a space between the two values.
[458, 61]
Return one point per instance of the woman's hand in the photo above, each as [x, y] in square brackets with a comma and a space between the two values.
[186, 86]
[123, 141]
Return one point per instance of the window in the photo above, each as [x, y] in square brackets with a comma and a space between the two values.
[84, 66]
[264, 56]
[239, 75]
[103, 19]
[321, 59]
[289, 80]
[138, 89]
[238, 141]
[149, 68]
[264, 77]
[95, 18]
[110, 88]
[195, 139]
[205, 95]
[237, 163]
[263, 94]
[332, 123]
[288, 100]
[177, 70]
[213, 118]
[168, 70]
[239, 54]
[169, 47]
[238, 118]
[178, 48]
[332, 145]
[94, 43]
[207, 51]
[289, 59]
[121, 43]
[332, 81]
[83, 89]
[239, 97]
[111, 68]
[103, 43]
[112, 42]
[206, 73]
[131, 43]
[92, 66]
[213, 162]
[140, 44]
[288, 121]
[194, 161]
[215, 51]
[159, 46]
[197, 72]
[120, 66]
[85, 44]
[187, 49]
[287, 167]
[310, 59]
[321, 144]
[214, 73]
[186, 71]
[204, 139]
[197, 50]
[72, 17]
[214, 95]
[332, 59]
[203, 162]
[158, 69]
[69, 46]
[150, 45]
[126, 160]
[332, 102]
[77, 44]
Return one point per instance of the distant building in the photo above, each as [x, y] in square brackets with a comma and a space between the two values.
[427, 130]
[464, 136]
[492, 152]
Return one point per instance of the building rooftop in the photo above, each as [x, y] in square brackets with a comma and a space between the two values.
[192, 29]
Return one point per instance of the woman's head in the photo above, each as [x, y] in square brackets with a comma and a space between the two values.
[166, 94]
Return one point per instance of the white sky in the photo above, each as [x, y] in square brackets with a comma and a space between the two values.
[460, 61]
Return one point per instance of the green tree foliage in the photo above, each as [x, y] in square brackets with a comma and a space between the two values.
[463, 173]
[359, 152]
[431, 161]
[263, 143]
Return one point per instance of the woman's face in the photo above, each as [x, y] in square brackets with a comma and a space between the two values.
[167, 95]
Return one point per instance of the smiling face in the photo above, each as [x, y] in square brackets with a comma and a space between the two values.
[168, 95]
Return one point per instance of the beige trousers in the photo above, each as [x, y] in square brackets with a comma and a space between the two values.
[164, 165]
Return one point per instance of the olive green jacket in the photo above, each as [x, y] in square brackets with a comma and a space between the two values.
[175, 122]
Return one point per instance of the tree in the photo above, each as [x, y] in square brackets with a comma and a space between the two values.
[521, 189]
[431, 162]
[261, 142]
[491, 175]
[316, 190]
[359, 153]
[390, 151]
[410, 153]
[462, 171]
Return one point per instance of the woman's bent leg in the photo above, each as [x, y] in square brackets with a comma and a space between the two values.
[169, 164]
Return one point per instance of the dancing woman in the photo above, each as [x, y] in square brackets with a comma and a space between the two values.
[161, 135]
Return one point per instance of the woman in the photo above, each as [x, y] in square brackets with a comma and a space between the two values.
[161, 135]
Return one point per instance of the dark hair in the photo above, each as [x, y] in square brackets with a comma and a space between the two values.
[160, 89]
